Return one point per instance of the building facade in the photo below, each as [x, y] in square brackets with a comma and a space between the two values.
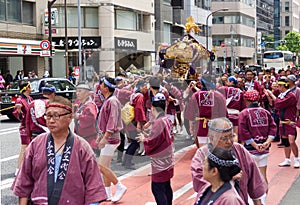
[289, 16]
[115, 35]
[234, 32]
[21, 35]
[265, 16]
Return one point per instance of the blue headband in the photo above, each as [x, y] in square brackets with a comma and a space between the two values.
[108, 84]
[50, 89]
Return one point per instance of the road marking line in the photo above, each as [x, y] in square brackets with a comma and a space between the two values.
[5, 133]
[5, 184]
[11, 128]
[182, 190]
[9, 158]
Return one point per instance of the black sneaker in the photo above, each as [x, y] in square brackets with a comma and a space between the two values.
[280, 145]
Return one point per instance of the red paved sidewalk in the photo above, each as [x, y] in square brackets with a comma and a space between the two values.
[139, 186]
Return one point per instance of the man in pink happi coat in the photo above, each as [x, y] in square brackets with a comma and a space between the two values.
[159, 146]
[286, 103]
[35, 120]
[110, 125]
[250, 182]
[257, 130]
[85, 115]
[234, 101]
[59, 167]
[20, 111]
[205, 104]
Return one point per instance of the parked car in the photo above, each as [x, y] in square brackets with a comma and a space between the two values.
[63, 88]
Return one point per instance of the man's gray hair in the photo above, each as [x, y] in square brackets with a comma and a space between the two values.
[221, 125]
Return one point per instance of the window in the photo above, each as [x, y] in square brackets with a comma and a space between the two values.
[27, 12]
[286, 6]
[167, 33]
[218, 19]
[17, 11]
[89, 17]
[286, 32]
[126, 20]
[130, 20]
[168, 2]
[13, 10]
[2, 10]
[287, 21]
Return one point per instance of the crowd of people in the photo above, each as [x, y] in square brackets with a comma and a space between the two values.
[232, 119]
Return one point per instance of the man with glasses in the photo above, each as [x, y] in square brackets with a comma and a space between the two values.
[59, 167]
[249, 181]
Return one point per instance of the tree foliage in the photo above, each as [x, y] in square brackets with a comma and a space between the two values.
[292, 42]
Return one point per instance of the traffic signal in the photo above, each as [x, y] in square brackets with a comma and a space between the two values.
[282, 41]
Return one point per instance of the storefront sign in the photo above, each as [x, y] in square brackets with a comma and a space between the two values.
[22, 49]
[126, 43]
[73, 43]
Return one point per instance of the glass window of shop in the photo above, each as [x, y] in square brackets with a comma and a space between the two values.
[89, 17]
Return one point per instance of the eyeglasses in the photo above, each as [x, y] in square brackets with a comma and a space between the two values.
[228, 137]
[55, 116]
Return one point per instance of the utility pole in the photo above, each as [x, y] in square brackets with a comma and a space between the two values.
[82, 72]
[50, 3]
[66, 41]
[231, 46]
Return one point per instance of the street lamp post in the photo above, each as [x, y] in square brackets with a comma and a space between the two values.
[206, 35]
[225, 9]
